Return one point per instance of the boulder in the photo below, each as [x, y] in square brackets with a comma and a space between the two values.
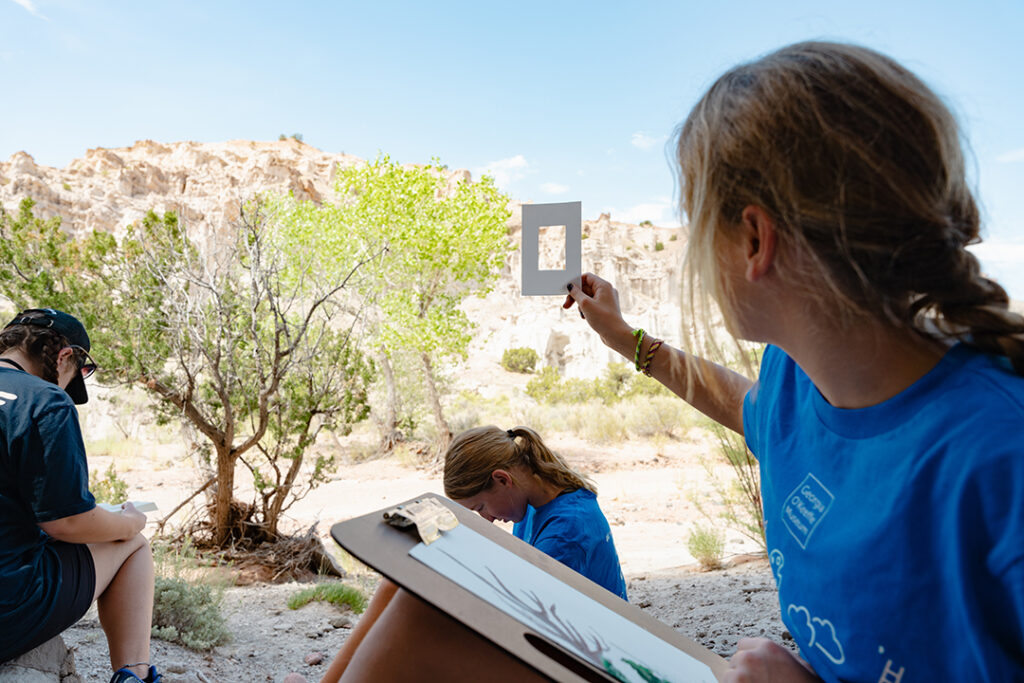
[51, 662]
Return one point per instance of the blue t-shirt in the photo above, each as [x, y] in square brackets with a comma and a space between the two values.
[573, 530]
[43, 477]
[896, 532]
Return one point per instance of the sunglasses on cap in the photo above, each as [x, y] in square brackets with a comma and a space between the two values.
[86, 365]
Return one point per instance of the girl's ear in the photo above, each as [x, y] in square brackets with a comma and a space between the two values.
[502, 477]
[63, 356]
[759, 236]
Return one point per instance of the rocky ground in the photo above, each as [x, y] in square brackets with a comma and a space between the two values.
[646, 490]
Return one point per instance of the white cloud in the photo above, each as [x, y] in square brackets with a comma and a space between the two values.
[642, 140]
[995, 250]
[506, 171]
[554, 188]
[30, 6]
[661, 212]
[1014, 155]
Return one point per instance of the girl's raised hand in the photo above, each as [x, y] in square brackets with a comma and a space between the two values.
[599, 304]
[759, 660]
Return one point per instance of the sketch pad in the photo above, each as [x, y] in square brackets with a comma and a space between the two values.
[387, 549]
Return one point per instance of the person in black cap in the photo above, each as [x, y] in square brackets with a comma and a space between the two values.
[58, 551]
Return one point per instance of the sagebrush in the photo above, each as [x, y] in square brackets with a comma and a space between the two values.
[707, 545]
[521, 359]
[188, 613]
[108, 488]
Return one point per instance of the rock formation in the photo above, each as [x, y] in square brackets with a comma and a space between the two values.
[51, 662]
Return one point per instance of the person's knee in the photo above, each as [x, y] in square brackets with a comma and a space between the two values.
[142, 545]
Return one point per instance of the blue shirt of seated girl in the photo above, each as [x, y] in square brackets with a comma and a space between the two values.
[573, 530]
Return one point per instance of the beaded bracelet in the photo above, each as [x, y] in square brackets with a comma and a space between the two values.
[639, 334]
[646, 367]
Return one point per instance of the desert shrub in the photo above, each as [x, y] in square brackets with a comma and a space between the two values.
[597, 422]
[673, 237]
[657, 416]
[619, 381]
[707, 545]
[337, 594]
[109, 488]
[659, 246]
[739, 496]
[462, 420]
[188, 613]
[646, 224]
[550, 387]
[521, 359]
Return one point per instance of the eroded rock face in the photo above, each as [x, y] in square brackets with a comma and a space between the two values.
[108, 189]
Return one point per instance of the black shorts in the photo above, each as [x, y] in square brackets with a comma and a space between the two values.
[77, 584]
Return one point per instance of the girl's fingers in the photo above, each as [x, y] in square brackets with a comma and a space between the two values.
[748, 643]
[574, 288]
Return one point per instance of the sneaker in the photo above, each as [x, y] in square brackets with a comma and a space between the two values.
[126, 676]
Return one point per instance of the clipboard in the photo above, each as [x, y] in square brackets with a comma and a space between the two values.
[386, 548]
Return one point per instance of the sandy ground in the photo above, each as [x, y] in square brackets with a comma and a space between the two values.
[646, 491]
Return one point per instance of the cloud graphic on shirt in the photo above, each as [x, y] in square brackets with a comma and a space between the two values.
[807, 622]
[830, 649]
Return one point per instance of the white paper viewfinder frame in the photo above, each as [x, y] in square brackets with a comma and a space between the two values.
[538, 282]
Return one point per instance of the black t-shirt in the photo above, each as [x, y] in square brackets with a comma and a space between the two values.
[43, 476]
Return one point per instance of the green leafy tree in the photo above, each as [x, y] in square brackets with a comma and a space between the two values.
[444, 239]
[240, 340]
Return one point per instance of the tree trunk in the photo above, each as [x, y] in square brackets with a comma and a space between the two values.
[444, 432]
[225, 493]
[389, 434]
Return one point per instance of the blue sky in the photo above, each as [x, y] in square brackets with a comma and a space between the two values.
[560, 101]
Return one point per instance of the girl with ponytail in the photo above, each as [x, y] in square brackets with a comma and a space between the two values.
[511, 476]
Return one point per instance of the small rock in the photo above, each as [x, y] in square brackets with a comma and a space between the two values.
[341, 622]
[174, 667]
[314, 658]
[644, 604]
[313, 634]
[786, 635]
[294, 678]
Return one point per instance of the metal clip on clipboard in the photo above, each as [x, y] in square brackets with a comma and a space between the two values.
[428, 515]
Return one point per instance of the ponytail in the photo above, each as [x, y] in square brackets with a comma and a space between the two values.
[475, 453]
[963, 304]
[547, 464]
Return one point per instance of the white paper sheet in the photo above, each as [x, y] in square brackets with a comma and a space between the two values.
[557, 611]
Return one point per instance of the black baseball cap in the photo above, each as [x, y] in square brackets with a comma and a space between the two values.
[71, 328]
